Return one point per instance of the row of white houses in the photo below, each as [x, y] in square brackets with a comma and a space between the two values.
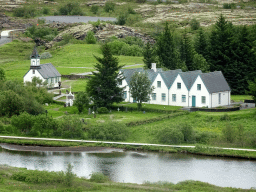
[188, 89]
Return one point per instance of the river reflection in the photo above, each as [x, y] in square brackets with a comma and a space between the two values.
[136, 167]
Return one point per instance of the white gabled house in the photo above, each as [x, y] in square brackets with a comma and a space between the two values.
[46, 72]
[188, 89]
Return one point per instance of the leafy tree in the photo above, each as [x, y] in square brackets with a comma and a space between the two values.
[148, 55]
[24, 122]
[194, 24]
[69, 176]
[166, 50]
[2, 74]
[70, 127]
[102, 87]
[140, 88]
[81, 101]
[94, 9]
[187, 52]
[252, 89]
[109, 7]
[199, 62]
[90, 39]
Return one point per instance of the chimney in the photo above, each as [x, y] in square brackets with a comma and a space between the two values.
[153, 66]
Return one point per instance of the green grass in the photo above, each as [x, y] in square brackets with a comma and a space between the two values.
[76, 85]
[152, 106]
[238, 98]
[14, 58]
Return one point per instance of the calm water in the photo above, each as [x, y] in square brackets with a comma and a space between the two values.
[135, 167]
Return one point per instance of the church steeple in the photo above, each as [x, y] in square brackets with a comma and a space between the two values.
[35, 59]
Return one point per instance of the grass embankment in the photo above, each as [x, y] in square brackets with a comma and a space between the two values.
[20, 179]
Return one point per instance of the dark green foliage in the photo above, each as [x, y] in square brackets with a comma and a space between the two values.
[229, 5]
[41, 32]
[71, 9]
[11, 103]
[199, 62]
[2, 74]
[102, 87]
[26, 12]
[44, 126]
[201, 43]
[170, 136]
[187, 52]
[131, 11]
[121, 19]
[140, 1]
[23, 123]
[166, 51]
[252, 89]
[194, 24]
[229, 133]
[140, 88]
[225, 117]
[94, 9]
[69, 176]
[46, 10]
[102, 110]
[112, 131]
[70, 127]
[240, 135]
[2, 129]
[148, 56]
[109, 6]
[204, 137]
[90, 39]
[98, 177]
[188, 132]
[81, 101]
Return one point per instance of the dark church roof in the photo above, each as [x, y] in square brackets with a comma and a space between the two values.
[48, 71]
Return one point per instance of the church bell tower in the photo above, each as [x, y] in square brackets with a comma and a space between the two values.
[35, 60]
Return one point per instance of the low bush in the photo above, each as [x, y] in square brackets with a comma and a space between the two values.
[46, 11]
[204, 137]
[94, 9]
[102, 110]
[121, 19]
[194, 24]
[188, 132]
[229, 133]
[109, 7]
[71, 9]
[41, 32]
[26, 12]
[112, 131]
[90, 38]
[98, 177]
[23, 122]
[131, 11]
[225, 117]
[45, 55]
[229, 5]
[170, 136]
[2, 128]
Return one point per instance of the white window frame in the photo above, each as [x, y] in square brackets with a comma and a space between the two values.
[183, 99]
[153, 96]
[178, 86]
[159, 84]
[173, 97]
[199, 86]
[203, 98]
[163, 97]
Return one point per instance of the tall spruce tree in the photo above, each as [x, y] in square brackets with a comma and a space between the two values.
[166, 50]
[187, 52]
[148, 55]
[220, 51]
[102, 87]
[201, 43]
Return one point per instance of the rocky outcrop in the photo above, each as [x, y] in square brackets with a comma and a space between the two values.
[98, 3]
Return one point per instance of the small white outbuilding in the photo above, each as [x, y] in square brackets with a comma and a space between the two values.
[45, 72]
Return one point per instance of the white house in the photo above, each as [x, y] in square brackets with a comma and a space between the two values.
[46, 72]
[188, 89]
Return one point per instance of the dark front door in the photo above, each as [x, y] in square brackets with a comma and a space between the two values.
[193, 101]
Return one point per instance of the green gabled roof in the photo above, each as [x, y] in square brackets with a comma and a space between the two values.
[215, 82]
[189, 77]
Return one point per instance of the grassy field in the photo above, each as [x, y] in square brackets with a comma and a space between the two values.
[10, 182]
[238, 98]
[15, 58]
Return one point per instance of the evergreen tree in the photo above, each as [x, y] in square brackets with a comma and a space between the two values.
[187, 52]
[102, 87]
[201, 44]
[148, 55]
[220, 51]
[166, 50]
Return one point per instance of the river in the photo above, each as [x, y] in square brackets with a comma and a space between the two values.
[138, 167]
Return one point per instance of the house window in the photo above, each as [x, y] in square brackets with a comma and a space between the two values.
[33, 71]
[158, 83]
[219, 98]
[198, 87]
[178, 85]
[52, 80]
[153, 96]
[174, 97]
[163, 96]
[183, 98]
[125, 95]
[120, 82]
[203, 99]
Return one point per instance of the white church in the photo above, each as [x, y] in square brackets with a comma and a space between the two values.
[46, 72]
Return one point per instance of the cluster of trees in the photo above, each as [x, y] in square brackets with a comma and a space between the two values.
[225, 48]
[16, 98]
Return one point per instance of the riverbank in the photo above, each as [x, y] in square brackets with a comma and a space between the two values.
[10, 180]
[76, 146]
